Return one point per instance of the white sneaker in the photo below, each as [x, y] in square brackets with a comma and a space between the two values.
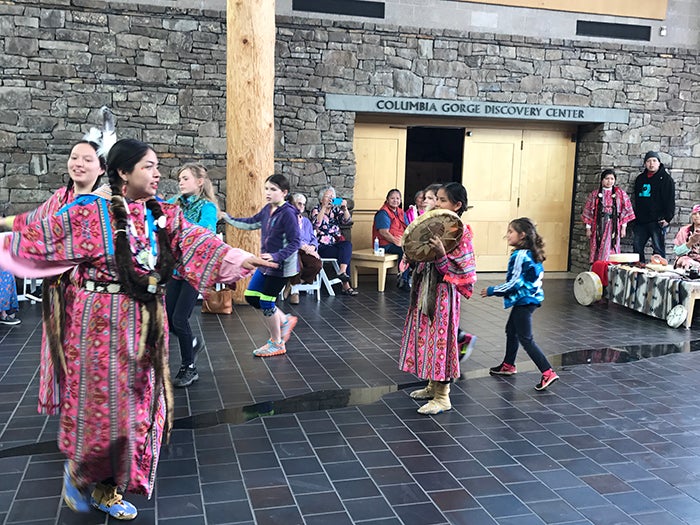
[9, 320]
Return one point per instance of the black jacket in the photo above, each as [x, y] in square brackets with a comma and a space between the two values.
[654, 198]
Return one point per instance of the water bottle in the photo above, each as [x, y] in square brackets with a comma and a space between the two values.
[376, 245]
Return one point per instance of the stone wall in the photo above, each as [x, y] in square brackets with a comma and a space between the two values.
[162, 70]
[659, 86]
[163, 75]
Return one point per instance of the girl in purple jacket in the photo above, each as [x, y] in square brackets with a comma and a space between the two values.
[280, 243]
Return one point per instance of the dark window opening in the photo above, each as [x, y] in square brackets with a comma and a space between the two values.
[341, 7]
[433, 155]
[608, 30]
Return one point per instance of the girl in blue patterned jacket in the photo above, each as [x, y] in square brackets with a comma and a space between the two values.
[523, 292]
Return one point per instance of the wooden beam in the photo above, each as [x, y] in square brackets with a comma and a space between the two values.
[651, 9]
[250, 76]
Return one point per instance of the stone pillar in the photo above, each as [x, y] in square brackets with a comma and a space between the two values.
[250, 75]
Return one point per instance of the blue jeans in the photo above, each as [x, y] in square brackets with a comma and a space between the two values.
[392, 248]
[341, 251]
[519, 331]
[645, 230]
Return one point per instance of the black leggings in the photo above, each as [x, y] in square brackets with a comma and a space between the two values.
[180, 300]
[519, 331]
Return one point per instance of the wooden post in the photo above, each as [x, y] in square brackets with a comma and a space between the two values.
[250, 76]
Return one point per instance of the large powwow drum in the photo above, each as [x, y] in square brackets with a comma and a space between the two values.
[444, 224]
[587, 288]
[627, 258]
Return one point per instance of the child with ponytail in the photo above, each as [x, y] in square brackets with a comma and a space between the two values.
[523, 292]
[198, 204]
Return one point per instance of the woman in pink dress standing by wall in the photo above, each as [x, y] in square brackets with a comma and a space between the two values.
[606, 214]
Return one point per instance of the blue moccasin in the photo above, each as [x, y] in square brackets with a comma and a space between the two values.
[76, 499]
[108, 500]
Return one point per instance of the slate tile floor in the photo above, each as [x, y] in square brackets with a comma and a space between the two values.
[328, 435]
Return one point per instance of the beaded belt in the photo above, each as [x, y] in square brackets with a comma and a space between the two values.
[96, 286]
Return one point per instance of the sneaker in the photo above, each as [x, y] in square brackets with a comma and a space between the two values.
[108, 500]
[548, 377]
[290, 321]
[466, 346]
[504, 369]
[77, 500]
[186, 376]
[9, 320]
[270, 348]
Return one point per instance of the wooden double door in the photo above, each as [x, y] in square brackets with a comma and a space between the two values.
[508, 173]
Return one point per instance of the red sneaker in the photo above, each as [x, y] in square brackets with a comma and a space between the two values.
[504, 369]
[548, 377]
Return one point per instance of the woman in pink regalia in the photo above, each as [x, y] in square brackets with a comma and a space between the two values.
[116, 401]
[606, 214]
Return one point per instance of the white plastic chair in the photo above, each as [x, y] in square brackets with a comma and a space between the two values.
[330, 282]
[31, 287]
[321, 279]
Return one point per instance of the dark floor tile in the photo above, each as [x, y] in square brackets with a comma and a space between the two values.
[40, 488]
[633, 503]
[416, 464]
[433, 481]
[221, 472]
[264, 478]
[470, 517]
[556, 511]
[356, 488]
[336, 518]
[270, 497]
[297, 466]
[319, 503]
[368, 508]
[531, 491]
[404, 493]
[606, 484]
[381, 458]
[607, 515]
[485, 486]
[451, 500]
[179, 486]
[502, 506]
[228, 512]
[40, 509]
[309, 483]
[345, 470]
[179, 506]
[389, 475]
[223, 491]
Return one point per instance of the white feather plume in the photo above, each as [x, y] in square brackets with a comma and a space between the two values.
[105, 137]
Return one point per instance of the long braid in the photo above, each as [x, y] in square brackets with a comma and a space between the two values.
[136, 286]
[615, 219]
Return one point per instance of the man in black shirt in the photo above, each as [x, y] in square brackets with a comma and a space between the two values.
[654, 201]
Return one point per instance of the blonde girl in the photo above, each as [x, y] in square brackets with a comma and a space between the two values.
[199, 207]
